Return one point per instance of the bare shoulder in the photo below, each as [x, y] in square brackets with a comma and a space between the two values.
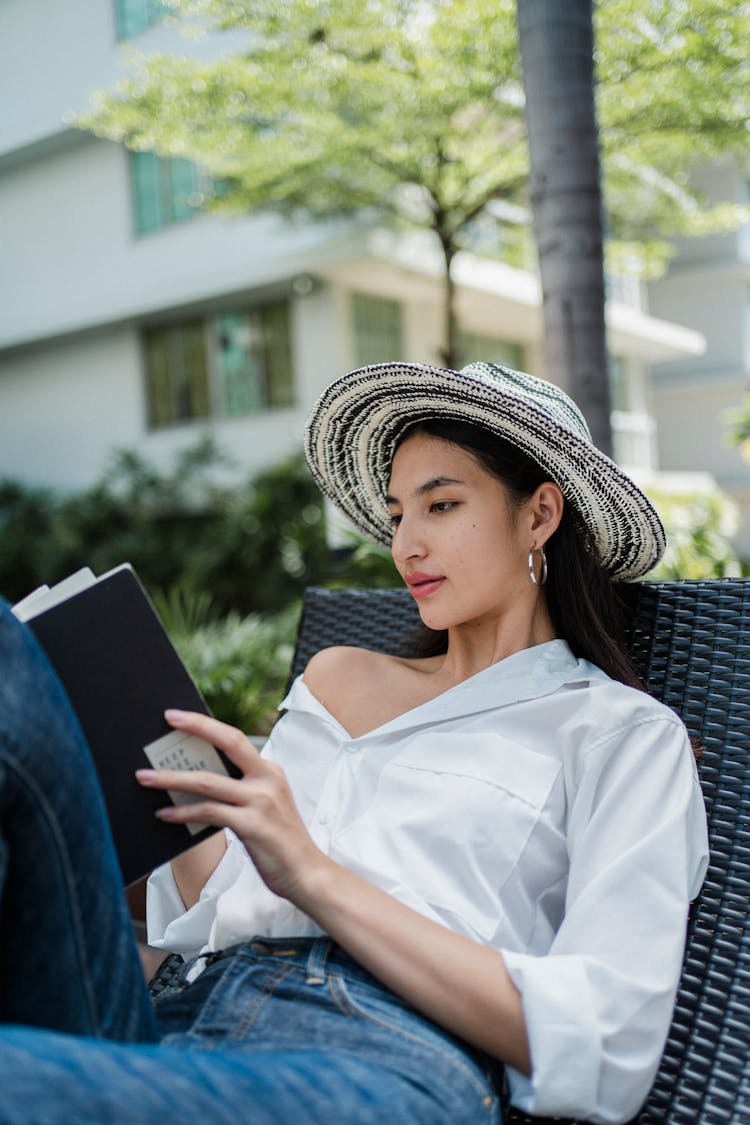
[344, 665]
[360, 688]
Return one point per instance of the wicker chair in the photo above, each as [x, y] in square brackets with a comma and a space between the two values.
[691, 643]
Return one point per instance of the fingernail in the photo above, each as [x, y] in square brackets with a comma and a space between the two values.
[165, 814]
[145, 776]
[175, 718]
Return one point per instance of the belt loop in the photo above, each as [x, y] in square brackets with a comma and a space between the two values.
[192, 969]
[316, 960]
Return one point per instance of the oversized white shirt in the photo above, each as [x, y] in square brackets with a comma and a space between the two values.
[539, 808]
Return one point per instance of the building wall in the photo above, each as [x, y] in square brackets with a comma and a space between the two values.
[76, 396]
[708, 288]
[53, 55]
[71, 259]
[68, 404]
[79, 285]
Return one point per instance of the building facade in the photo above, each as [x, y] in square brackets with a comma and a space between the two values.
[131, 319]
[694, 398]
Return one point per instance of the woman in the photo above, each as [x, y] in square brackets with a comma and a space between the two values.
[438, 866]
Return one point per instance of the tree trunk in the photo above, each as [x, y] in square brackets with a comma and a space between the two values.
[556, 40]
[448, 354]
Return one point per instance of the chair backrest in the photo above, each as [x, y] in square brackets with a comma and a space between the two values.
[691, 644]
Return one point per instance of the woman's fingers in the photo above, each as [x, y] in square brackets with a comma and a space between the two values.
[232, 741]
[202, 783]
[259, 807]
[216, 787]
[218, 814]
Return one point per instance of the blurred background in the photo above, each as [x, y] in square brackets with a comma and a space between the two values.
[210, 209]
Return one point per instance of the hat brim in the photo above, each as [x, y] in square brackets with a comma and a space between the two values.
[354, 428]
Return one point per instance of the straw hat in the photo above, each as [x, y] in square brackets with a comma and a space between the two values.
[356, 423]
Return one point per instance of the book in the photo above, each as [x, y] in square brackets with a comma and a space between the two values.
[120, 670]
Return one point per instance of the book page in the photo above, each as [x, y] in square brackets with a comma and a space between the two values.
[179, 750]
[46, 597]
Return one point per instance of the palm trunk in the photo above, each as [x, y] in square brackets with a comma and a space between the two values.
[449, 355]
[557, 54]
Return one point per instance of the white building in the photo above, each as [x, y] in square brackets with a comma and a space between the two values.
[708, 288]
[126, 320]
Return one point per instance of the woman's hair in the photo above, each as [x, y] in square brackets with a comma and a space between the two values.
[582, 601]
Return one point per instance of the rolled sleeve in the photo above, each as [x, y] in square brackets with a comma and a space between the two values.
[170, 925]
[562, 1027]
[599, 1004]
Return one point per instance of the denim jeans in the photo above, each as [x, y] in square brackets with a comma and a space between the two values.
[270, 1032]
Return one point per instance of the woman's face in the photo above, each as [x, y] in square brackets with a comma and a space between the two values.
[456, 542]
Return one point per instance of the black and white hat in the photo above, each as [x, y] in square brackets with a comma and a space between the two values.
[355, 426]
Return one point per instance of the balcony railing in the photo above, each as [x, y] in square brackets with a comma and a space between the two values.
[634, 440]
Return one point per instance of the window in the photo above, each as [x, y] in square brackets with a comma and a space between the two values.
[618, 384]
[471, 347]
[134, 16]
[165, 190]
[254, 359]
[177, 367]
[377, 330]
[624, 288]
[236, 363]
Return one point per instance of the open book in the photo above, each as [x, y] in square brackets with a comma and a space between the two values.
[120, 670]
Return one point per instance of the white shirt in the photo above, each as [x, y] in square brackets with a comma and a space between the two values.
[539, 808]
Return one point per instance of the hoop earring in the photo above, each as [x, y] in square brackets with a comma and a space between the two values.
[543, 558]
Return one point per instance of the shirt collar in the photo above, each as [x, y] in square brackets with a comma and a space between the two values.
[528, 674]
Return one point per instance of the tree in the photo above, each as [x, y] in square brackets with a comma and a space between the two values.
[413, 110]
[673, 90]
[394, 108]
[556, 43]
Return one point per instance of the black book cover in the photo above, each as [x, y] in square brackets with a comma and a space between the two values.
[120, 670]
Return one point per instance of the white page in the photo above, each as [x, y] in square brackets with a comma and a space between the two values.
[180, 750]
[44, 598]
[22, 609]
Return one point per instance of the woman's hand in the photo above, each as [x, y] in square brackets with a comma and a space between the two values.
[459, 984]
[258, 807]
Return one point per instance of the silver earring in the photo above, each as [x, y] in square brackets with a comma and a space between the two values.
[543, 559]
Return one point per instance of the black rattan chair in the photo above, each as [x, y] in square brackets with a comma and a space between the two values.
[691, 643]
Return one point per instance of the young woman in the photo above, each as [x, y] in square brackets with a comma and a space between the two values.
[440, 872]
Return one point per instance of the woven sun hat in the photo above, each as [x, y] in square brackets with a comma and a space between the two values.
[355, 426]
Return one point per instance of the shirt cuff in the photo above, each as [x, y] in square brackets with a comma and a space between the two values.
[169, 925]
[561, 1024]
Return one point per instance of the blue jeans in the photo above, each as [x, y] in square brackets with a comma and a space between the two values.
[271, 1032]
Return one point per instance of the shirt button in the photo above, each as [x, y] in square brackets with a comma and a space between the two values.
[351, 747]
[324, 818]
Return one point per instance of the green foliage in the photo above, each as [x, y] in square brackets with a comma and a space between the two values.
[699, 528]
[334, 107]
[26, 515]
[739, 428]
[225, 565]
[368, 565]
[414, 110]
[267, 543]
[673, 91]
[240, 664]
[249, 547]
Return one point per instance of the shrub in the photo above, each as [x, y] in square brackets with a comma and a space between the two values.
[240, 664]
[268, 544]
[253, 547]
[699, 527]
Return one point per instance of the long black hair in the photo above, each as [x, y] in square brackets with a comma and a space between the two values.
[581, 598]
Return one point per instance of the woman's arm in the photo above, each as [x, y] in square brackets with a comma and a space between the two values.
[459, 984]
[193, 868]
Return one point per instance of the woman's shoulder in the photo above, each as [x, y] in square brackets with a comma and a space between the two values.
[328, 662]
[361, 688]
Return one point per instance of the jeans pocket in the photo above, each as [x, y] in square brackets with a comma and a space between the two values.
[418, 1045]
